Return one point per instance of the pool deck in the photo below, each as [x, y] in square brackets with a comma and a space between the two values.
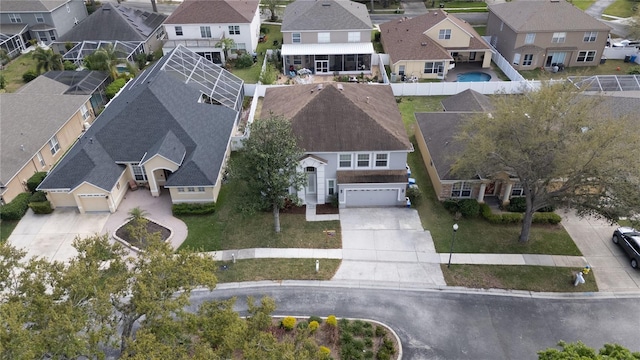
[452, 75]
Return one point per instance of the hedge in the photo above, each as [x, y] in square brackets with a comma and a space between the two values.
[193, 208]
[16, 209]
[519, 204]
[466, 207]
[515, 218]
[38, 196]
[41, 207]
[35, 180]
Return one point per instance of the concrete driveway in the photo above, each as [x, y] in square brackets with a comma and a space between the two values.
[387, 246]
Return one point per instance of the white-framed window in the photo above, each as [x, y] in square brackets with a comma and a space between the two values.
[461, 190]
[234, 29]
[52, 35]
[201, 189]
[517, 190]
[432, 67]
[444, 34]
[382, 160]
[42, 35]
[516, 59]
[138, 172]
[178, 30]
[84, 111]
[586, 56]
[180, 189]
[331, 186]
[530, 38]
[363, 160]
[191, 189]
[401, 70]
[324, 37]
[590, 36]
[205, 31]
[41, 159]
[39, 18]
[528, 60]
[239, 46]
[296, 38]
[354, 36]
[344, 160]
[54, 146]
[15, 18]
[297, 59]
[559, 37]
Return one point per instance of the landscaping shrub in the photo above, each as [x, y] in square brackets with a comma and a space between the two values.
[69, 65]
[3, 82]
[29, 75]
[193, 208]
[380, 331]
[141, 60]
[313, 326]
[332, 321]
[16, 209]
[34, 181]
[302, 325]
[415, 195]
[546, 218]
[289, 322]
[466, 207]
[38, 196]
[317, 319]
[244, 61]
[634, 70]
[383, 355]
[333, 199]
[113, 88]
[517, 204]
[324, 352]
[451, 205]
[41, 207]
[269, 75]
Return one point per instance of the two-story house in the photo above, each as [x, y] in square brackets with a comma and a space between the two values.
[327, 36]
[45, 21]
[200, 25]
[534, 34]
[354, 141]
[42, 120]
[427, 46]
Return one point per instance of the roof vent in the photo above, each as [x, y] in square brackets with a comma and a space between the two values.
[367, 99]
[320, 86]
[340, 87]
[423, 44]
[22, 147]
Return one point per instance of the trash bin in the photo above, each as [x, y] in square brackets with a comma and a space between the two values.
[633, 58]
[603, 60]
[627, 58]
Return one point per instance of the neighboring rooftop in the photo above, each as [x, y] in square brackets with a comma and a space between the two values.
[214, 12]
[326, 15]
[13, 6]
[468, 100]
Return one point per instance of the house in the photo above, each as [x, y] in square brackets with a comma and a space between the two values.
[42, 20]
[429, 45]
[354, 141]
[131, 31]
[42, 120]
[327, 36]
[534, 34]
[200, 25]
[435, 132]
[169, 129]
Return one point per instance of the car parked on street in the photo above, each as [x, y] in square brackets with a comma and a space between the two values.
[629, 240]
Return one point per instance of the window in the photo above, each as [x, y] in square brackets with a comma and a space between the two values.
[444, 34]
[239, 46]
[39, 18]
[558, 37]
[234, 30]
[191, 189]
[516, 59]
[205, 31]
[178, 30]
[590, 36]
[528, 60]
[354, 36]
[331, 187]
[382, 160]
[138, 172]
[42, 35]
[85, 111]
[41, 159]
[201, 189]
[52, 35]
[517, 190]
[297, 60]
[295, 38]
[531, 37]
[586, 56]
[15, 18]
[363, 160]
[401, 70]
[324, 37]
[180, 189]
[461, 190]
[53, 145]
[432, 67]
[344, 161]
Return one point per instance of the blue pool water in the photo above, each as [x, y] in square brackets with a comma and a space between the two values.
[475, 76]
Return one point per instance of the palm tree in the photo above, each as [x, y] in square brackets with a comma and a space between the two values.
[226, 44]
[47, 60]
[136, 215]
[107, 59]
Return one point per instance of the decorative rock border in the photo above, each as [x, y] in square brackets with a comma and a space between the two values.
[134, 248]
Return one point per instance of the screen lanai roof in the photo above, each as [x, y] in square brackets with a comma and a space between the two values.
[128, 49]
[607, 82]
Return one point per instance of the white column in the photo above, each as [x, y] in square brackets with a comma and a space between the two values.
[320, 185]
[483, 187]
[153, 184]
[507, 193]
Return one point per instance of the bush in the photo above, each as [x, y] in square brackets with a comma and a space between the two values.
[383, 355]
[38, 196]
[332, 321]
[244, 61]
[333, 200]
[634, 70]
[316, 319]
[29, 75]
[415, 195]
[114, 87]
[41, 207]
[302, 325]
[269, 75]
[69, 65]
[313, 326]
[3, 82]
[16, 209]
[466, 207]
[34, 181]
[141, 60]
[193, 208]
[546, 218]
[288, 323]
[380, 331]
[324, 352]
[517, 204]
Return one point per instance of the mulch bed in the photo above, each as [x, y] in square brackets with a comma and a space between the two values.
[321, 209]
[152, 228]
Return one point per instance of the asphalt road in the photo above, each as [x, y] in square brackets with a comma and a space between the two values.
[447, 325]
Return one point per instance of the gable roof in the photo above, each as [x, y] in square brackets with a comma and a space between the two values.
[545, 16]
[325, 118]
[326, 15]
[468, 100]
[115, 22]
[9, 6]
[147, 119]
[214, 12]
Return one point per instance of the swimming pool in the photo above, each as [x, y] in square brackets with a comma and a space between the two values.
[474, 76]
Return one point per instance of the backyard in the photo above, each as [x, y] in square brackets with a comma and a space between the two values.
[251, 75]
[13, 71]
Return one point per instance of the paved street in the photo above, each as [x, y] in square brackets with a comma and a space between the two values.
[449, 325]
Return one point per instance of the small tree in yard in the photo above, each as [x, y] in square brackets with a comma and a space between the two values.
[581, 351]
[267, 166]
[564, 148]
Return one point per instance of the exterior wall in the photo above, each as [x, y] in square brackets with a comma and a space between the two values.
[397, 161]
[155, 41]
[249, 33]
[155, 174]
[254, 31]
[416, 68]
[119, 190]
[342, 191]
[428, 164]
[61, 199]
[336, 37]
[459, 38]
[17, 184]
[192, 197]
[64, 18]
[503, 40]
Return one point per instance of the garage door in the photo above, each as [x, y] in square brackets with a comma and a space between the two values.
[94, 203]
[372, 197]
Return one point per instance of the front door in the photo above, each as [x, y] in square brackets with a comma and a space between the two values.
[490, 189]
[311, 180]
[322, 66]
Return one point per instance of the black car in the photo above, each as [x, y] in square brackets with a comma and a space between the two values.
[629, 239]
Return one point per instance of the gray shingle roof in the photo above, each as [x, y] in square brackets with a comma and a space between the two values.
[545, 16]
[468, 100]
[8, 6]
[214, 12]
[326, 15]
[169, 147]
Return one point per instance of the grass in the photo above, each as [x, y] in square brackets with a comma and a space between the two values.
[228, 229]
[6, 228]
[582, 4]
[13, 71]
[517, 277]
[481, 30]
[251, 75]
[620, 8]
[474, 235]
[610, 67]
[481, 5]
[276, 269]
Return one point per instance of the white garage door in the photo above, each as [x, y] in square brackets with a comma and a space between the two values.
[372, 197]
[94, 202]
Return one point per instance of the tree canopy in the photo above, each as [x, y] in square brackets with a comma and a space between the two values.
[267, 166]
[580, 351]
[47, 60]
[564, 147]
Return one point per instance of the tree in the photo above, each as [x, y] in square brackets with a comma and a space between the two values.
[226, 44]
[580, 351]
[4, 57]
[107, 58]
[634, 24]
[564, 148]
[267, 166]
[272, 5]
[47, 60]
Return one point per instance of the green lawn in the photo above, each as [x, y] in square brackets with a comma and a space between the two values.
[621, 8]
[6, 228]
[13, 71]
[276, 269]
[251, 75]
[456, 4]
[474, 235]
[517, 277]
[481, 30]
[582, 4]
[610, 67]
[228, 229]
